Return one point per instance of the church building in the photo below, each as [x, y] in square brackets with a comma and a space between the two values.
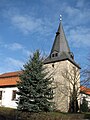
[59, 60]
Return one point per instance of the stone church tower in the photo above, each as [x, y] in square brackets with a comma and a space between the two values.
[60, 59]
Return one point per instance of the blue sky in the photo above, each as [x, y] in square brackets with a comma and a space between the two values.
[27, 25]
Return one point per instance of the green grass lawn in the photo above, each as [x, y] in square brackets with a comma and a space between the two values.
[12, 114]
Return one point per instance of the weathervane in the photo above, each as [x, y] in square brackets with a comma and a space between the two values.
[60, 17]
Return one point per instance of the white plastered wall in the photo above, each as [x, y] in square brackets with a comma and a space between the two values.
[7, 97]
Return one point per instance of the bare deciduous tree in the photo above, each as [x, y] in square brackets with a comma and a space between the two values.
[72, 79]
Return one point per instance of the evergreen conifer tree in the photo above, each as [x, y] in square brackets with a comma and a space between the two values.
[35, 89]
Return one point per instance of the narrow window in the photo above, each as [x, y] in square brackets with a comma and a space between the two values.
[56, 54]
[14, 95]
[52, 55]
[0, 95]
[53, 65]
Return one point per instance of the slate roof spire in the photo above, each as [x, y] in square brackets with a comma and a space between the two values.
[60, 50]
[60, 43]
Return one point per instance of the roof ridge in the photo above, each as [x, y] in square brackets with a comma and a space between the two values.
[10, 74]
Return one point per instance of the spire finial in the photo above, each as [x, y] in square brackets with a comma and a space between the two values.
[60, 17]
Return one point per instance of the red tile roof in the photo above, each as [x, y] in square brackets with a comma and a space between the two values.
[85, 90]
[10, 74]
[9, 79]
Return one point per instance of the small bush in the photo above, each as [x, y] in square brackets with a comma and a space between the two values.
[84, 105]
[7, 113]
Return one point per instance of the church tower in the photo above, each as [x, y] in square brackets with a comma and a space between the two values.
[60, 59]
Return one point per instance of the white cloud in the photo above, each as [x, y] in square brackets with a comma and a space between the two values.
[76, 14]
[26, 23]
[14, 46]
[76, 24]
[17, 47]
[80, 36]
[11, 64]
[27, 52]
[80, 3]
[14, 62]
[30, 25]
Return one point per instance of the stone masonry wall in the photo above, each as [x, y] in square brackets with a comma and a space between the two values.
[61, 91]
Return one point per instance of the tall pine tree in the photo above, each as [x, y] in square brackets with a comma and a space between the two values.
[35, 89]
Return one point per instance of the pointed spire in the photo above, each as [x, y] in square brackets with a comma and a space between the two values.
[60, 43]
[60, 50]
